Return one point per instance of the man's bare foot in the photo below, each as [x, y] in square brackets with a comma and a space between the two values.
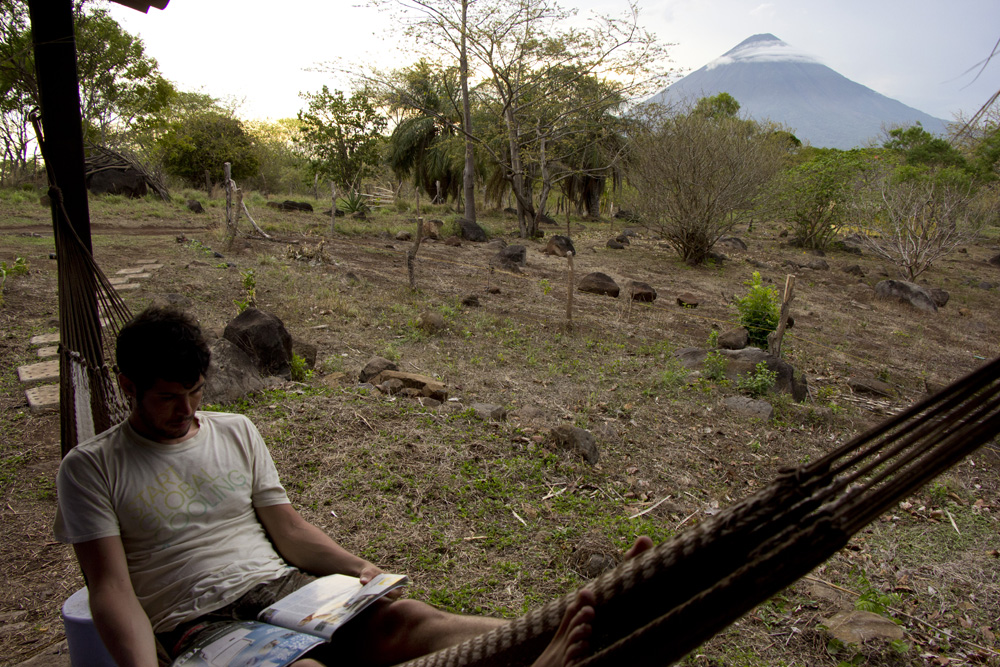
[571, 641]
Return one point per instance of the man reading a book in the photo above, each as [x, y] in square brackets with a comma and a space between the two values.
[177, 519]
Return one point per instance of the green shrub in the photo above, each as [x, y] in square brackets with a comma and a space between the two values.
[715, 366]
[18, 268]
[300, 373]
[353, 202]
[759, 382]
[759, 310]
[249, 299]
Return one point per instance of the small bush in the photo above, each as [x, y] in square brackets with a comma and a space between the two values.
[759, 310]
[715, 366]
[300, 373]
[759, 382]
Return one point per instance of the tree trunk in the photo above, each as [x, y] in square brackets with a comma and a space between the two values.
[468, 176]
[517, 175]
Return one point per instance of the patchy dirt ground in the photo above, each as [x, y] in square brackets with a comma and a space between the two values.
[490, 517]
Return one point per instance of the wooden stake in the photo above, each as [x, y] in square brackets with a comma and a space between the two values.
[333, 207]
[411, 254]
[774, 338]
[569, 292]
[227, 177]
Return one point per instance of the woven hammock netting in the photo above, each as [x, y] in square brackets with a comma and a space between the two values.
[91, 313]
[658, 607]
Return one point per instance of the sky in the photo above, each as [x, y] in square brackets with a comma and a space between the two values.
[264, 53]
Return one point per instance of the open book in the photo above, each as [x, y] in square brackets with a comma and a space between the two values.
[289, 627]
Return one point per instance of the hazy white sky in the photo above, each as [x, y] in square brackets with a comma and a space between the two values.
[916, 51]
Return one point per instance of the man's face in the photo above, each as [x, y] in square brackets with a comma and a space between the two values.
[165, 412]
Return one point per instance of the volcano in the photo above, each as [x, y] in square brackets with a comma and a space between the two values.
[774, 81]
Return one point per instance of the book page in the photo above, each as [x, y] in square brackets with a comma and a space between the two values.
[324, 605]
[245, 644]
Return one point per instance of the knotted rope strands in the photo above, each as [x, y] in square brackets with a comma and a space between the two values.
[658, 607]
[90, 314]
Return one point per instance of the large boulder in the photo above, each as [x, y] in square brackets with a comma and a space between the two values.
[128, 182]
[472, 231]
[231, 374]
[599, 283]
[744, 362]
[375, 366]
[906, 292]
[643, 292]
[515, 254]
[559, 246]
[264, 338]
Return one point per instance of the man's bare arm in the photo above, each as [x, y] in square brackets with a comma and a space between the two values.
[118, 616]
[307, 547]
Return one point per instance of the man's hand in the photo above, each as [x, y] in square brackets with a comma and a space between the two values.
[369, 572]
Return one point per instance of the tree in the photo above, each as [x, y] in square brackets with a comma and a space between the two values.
[425, 143]
[912, 217]
[816, 196]
[694, 177]
[918, 147]
[341, 135]
[281, 164]
[722, 105]
[195, 148]
[120, 86]
[444, 24]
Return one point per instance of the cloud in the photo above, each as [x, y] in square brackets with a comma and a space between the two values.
[767, 7]
[769, 51]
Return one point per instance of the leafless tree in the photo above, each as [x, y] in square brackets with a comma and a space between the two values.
[695, 176]
[913, 221]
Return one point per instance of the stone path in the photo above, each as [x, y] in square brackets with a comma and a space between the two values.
[41, 380]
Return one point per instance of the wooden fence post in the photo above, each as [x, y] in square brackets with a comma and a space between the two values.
[569, 291]
[228, 182]
[333, 207]
[411, 254]
[774, 338]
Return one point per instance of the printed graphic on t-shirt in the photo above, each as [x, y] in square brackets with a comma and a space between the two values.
[173, 502]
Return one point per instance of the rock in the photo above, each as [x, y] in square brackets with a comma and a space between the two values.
[939, 296]
[425, 386]
[334, 380]
[390, 386]
[737, 339]
[615, 245]
[470, 231]
[264, 338]
[128, 182]
[856, 627]
[687, 300]
[642, 292]
[871, 386]
[817, 264]
[559, 246]
[194, 206]
[496, 244]
[623, 239]
[471, 301]
[516, 254]
[375, 366]
[628, 216]
[232, 374]
[995, 260]
[732, 242]
[630, 233]
[403, 236]
[453, 242]
[599, 283]
[428, 402]
[489, 412]
[174, 299]
[854, 244]
[431, 321]
[330, 212]
[742, 362]
[579, 440]
[749, 406]
[906, 292]
[289, 205]
[598, 564]
[854, 270]
[307, 351]
[430, 229]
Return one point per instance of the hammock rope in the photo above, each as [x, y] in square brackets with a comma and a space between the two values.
[91, 312]
[658, 607]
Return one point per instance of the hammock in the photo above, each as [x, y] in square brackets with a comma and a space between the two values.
[90, 315]
[658, 607]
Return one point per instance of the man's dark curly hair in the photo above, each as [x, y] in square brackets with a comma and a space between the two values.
[162, 344]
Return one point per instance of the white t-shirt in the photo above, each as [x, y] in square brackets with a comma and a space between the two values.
[185, 512]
